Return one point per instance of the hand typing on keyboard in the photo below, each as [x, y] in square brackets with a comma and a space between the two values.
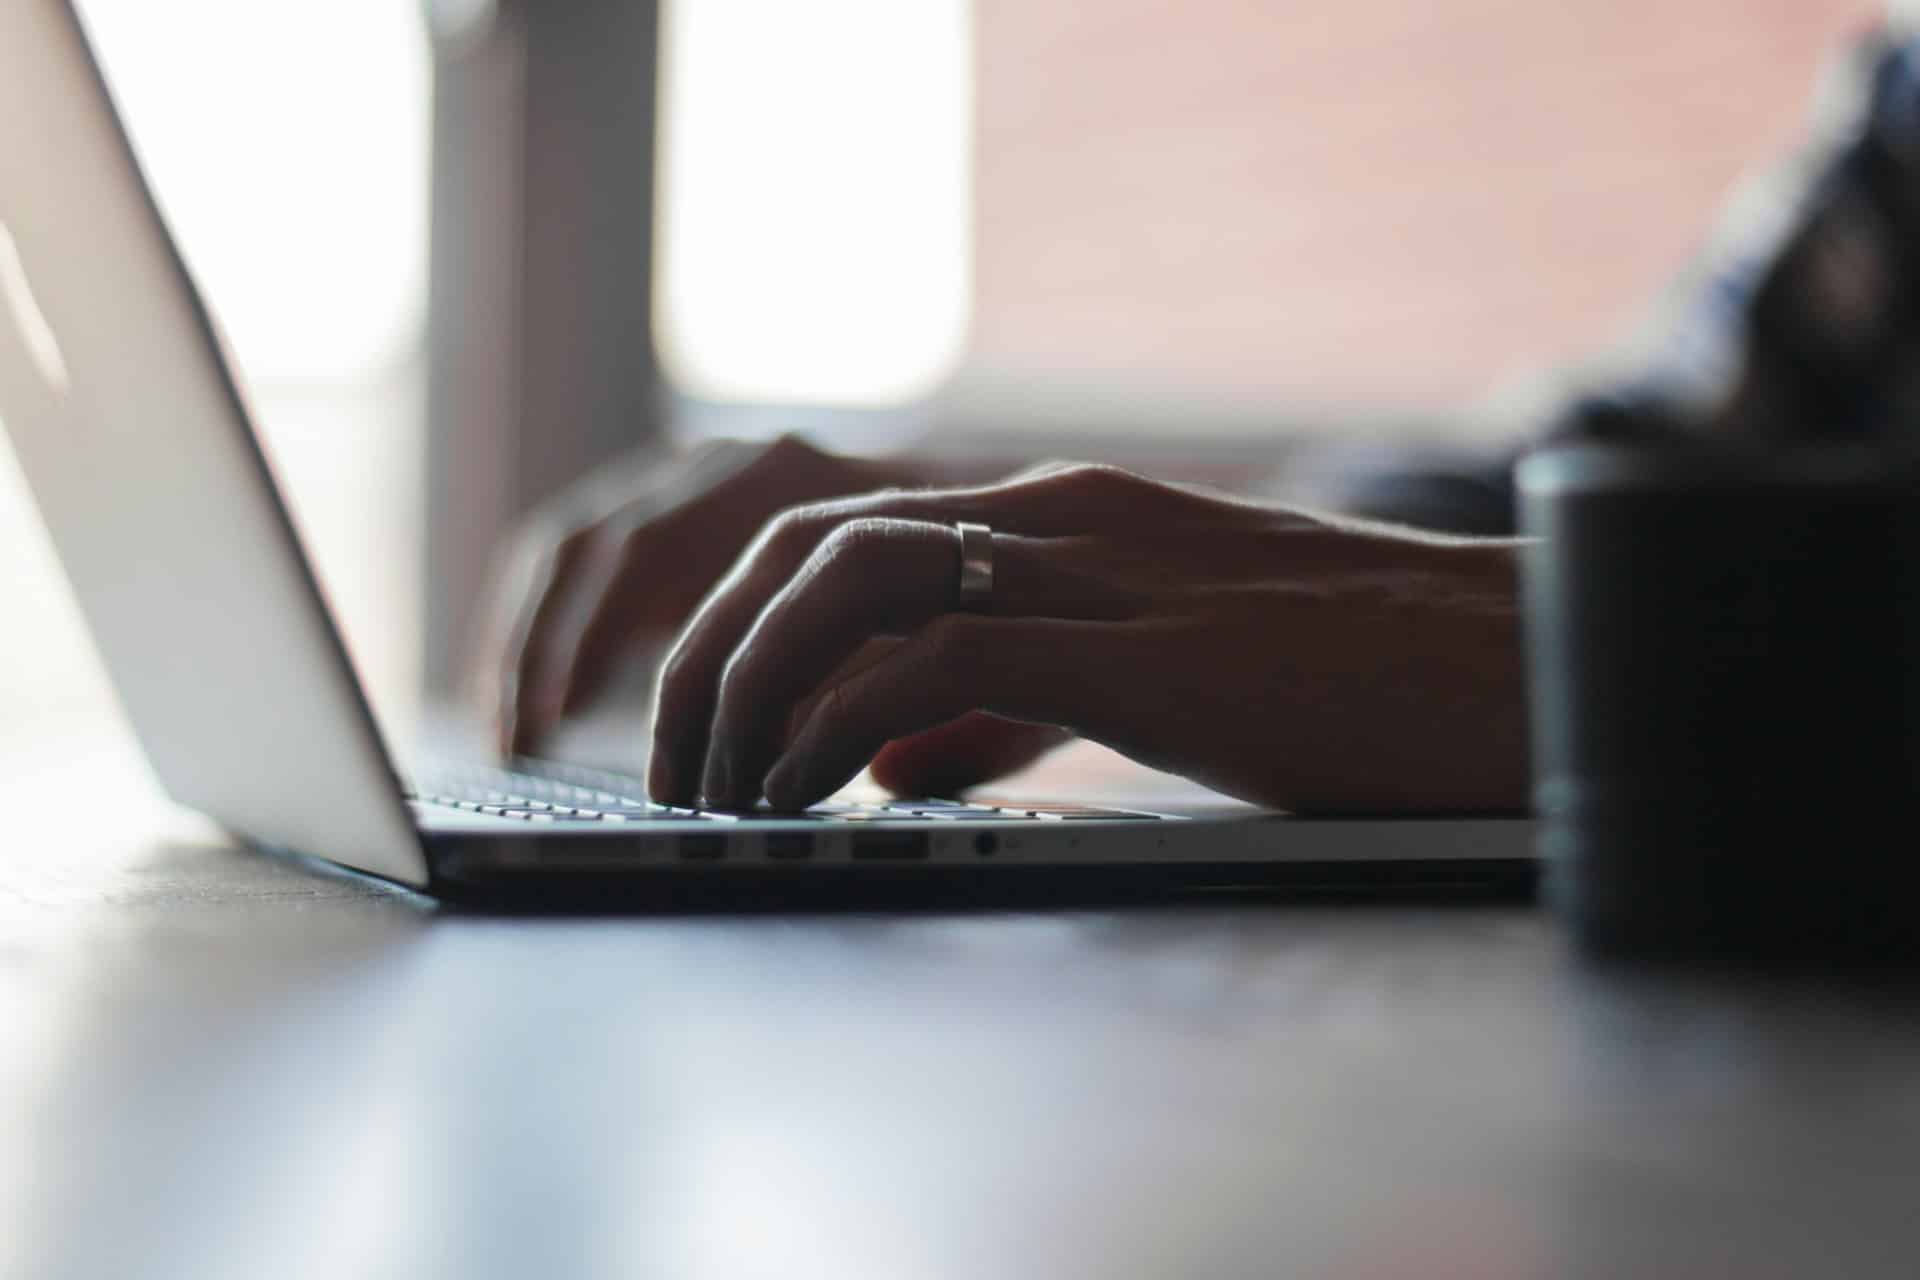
[617, 566]
[1281, 657]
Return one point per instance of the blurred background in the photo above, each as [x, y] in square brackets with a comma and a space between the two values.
[467, 249]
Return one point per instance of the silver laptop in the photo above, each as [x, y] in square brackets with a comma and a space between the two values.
[136, 441]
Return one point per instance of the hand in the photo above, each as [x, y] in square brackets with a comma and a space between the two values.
[617, 564]
[614, 567]
[1284, 658]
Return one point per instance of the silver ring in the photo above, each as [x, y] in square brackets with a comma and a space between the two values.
[976, 567]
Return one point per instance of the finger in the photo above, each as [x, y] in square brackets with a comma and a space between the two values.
[1043, 671]
[538, 583]
[601, 597]
[869, 577]
[522, 716]
[684, 693]
[874, 650]
[614, 614]
[688, 687]
[1058, 501]
[878, 575]
[949, 758]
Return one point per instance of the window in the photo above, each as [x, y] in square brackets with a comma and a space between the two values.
[1354, 206]
[1067, 217]
[814, 238]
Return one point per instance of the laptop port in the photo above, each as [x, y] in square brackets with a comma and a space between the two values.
[789, 844]
[703, 848]
[889, 845]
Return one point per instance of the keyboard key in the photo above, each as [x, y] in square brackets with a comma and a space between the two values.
[566, 793]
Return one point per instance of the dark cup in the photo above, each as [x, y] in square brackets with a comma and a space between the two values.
[1724, 666]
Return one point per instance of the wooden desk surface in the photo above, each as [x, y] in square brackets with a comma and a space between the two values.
[214, 1065]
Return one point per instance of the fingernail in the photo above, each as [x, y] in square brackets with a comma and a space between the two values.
[714, 788]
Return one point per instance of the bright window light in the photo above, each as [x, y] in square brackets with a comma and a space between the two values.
[815, 201]
[288, 144]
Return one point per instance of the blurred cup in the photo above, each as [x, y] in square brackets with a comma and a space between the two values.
[1724, 666]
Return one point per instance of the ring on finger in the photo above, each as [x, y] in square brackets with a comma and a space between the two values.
[976, 567]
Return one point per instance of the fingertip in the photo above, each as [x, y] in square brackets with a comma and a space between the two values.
[896, 770]
[662, 785]
[668, 782]
[575, 685]
[943, 759]
[524, 736]
[783, 787]
[716, 786]
[531, 726]
[804, 777]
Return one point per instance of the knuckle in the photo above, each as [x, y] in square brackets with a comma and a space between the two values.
[575, 540]
[789, 445]
[1095, 477]
[856, 538]
[862, 529]
[635, 538]
[537, 554]
[795, 530]
[1078, 479]
[675, 671]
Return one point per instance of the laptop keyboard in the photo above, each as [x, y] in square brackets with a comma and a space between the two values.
[540, 792]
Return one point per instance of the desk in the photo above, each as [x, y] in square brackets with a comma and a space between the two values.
[219, 1065]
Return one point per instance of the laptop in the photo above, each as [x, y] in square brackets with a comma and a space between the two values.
[136, 441]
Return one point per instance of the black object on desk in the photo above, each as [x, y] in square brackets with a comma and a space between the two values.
[1723, 649]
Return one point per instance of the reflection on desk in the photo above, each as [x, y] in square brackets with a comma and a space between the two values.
[218, 1064]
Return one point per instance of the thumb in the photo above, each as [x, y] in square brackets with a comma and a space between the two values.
[962, 753]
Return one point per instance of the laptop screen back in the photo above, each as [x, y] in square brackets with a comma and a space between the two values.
[136, 444]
